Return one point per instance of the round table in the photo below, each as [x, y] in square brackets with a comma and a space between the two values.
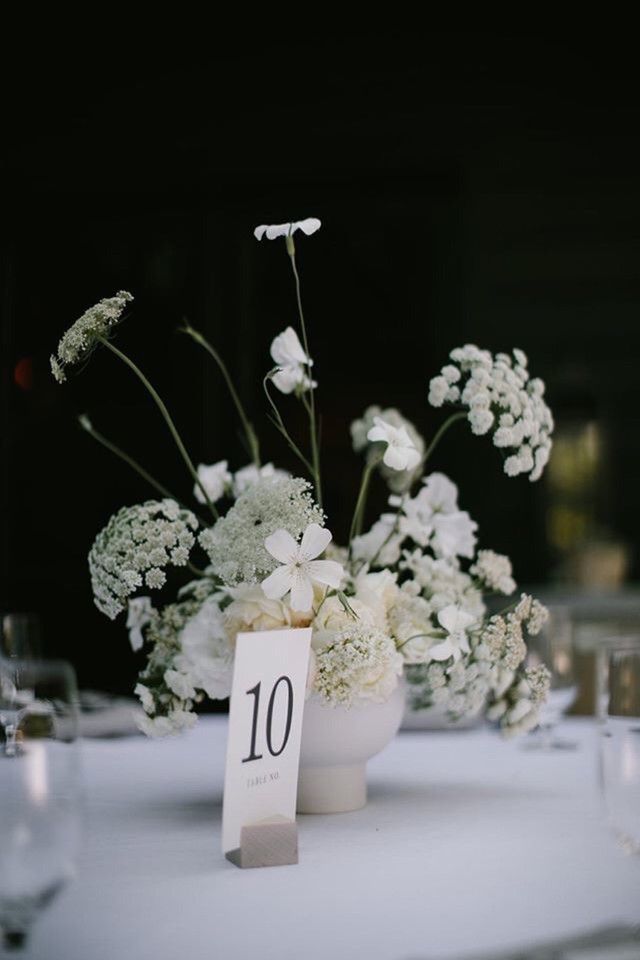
[469, 843]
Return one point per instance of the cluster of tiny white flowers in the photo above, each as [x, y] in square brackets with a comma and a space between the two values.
[134, 547]
[504, 641]
[500, 397]
[80, 338]
[397, 480]
[359, 663]
[517, 706]
[443, 583]
[494, 571]
[236, 543]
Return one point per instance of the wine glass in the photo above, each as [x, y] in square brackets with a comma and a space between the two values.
[39, 789]
[20, 636]
[554, 647]
[620, 739]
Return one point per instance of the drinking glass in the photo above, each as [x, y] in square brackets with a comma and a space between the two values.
[620, 740]
[39, 790]
[554, 647]
[20, 636]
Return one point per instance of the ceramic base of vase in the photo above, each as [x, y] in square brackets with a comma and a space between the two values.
[332, 789]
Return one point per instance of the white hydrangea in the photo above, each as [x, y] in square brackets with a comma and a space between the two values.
[236, 543]
[494, 571]
[135, 547]
[501, 397]
[397, 480]
[359, 663]
[77, 343]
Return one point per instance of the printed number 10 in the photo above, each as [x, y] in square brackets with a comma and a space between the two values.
[255, 692]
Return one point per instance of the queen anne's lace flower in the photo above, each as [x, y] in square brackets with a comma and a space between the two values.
[500, 397]
[397, 480]
[236, 543]
[354, 664]
[82, 336]
[135, 547]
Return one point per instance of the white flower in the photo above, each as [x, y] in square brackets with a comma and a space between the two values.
[273, 230]
[216, 480]
[82, 336]
[180, 683]
[455, 621]
[292, 363]
[247, 476]
[170, 726]
[138, 616]
[397, 481]
[494, 570]
[146, 698]
[454, 534]
[206, 655]
[380, 544]
[401, 452]
[300, 569]
[357, 663]
[251, 610]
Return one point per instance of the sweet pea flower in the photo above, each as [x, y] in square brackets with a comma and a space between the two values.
[455, 621]
[300, 570]
[292, 363]
[274, 230]
[401, 452]
[216, 480]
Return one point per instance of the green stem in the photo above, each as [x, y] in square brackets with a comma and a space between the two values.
[198, 572]
[279, 424]
[310, 404]
[86, 425]
[252, 439]
[356, 522]
[167, 417]
[461, 415]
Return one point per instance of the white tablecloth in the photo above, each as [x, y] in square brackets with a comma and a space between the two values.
[468, 843]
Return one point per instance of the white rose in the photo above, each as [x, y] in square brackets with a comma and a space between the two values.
[252, 610]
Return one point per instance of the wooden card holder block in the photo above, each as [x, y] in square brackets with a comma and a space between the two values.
[268, 843]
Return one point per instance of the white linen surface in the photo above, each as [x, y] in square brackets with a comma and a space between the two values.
[468, 843]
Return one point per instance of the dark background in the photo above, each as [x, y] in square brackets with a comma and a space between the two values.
[473, 186]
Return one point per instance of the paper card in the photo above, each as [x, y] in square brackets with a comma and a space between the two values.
[265, 728]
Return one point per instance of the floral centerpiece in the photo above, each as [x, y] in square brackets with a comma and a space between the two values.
[406, 595]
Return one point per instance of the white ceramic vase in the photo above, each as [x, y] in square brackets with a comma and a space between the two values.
[336, 744]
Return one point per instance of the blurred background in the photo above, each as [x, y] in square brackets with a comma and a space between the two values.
[473, 187]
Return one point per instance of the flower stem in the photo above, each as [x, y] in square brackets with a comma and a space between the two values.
[310, 405]
[167, 417]
[279, 424]
[86, 425]
[460, 415]
[252, 439]
[358, 513]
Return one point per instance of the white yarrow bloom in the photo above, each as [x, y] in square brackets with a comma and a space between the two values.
[216, 480]
[273, 230]
[401, 452]
[292, 363]
[300, 569]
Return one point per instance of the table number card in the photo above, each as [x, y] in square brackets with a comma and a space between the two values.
[265, 728]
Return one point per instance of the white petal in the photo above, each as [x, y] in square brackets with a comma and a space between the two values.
[315, 541]
[378, 433]
[395, 458]
[278, 583]
[328, 572]
[301, 592]
[412, 457]
[287, 379]
[308, 226]
[259, 231]
[287, 349]
[278, 230]
[442, 651]
[282, 546]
